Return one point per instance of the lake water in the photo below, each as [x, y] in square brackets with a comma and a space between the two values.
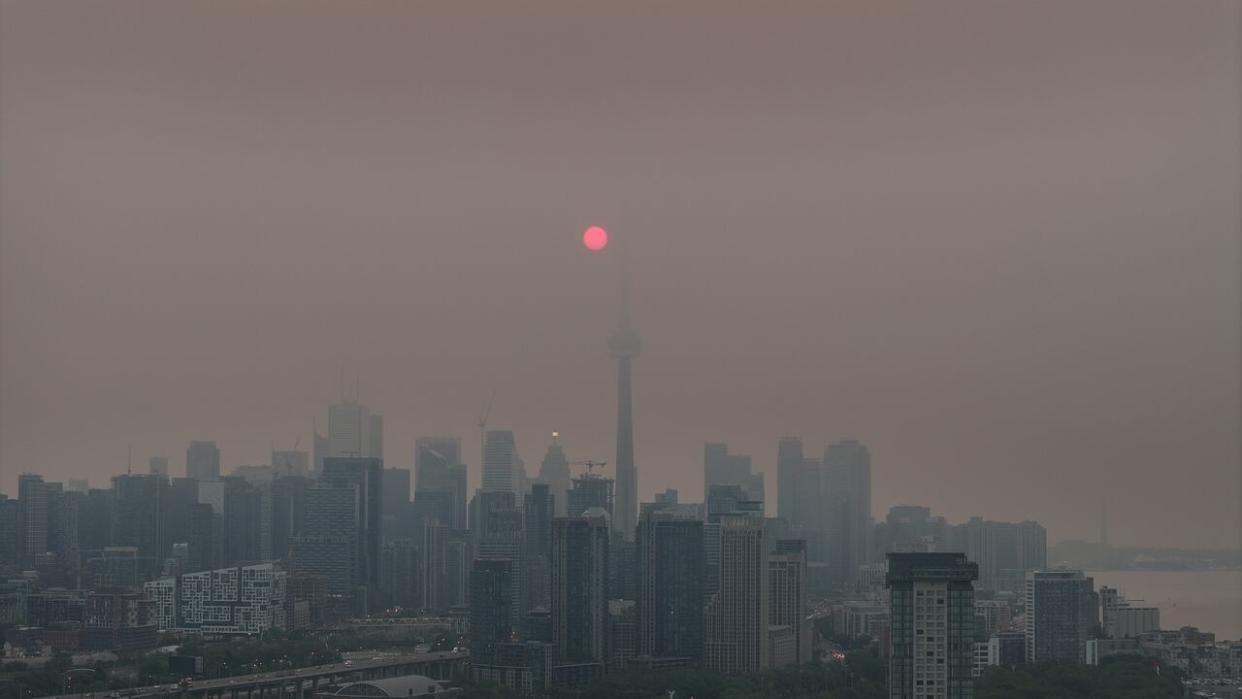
[1209, 599]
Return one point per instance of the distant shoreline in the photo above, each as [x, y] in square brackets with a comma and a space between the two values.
[1165, 569]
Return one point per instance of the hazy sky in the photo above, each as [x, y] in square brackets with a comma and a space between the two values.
[996, 241]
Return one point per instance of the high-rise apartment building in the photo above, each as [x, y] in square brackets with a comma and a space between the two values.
[32, 497]
[12, 545]
[492, 593]
[931, 647]
[243, 600]
[202, 461]
[1061, 609]
[579, 613]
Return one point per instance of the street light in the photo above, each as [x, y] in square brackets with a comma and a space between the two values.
[67, 680]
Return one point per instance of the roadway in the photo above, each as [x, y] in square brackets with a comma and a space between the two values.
[297, 683]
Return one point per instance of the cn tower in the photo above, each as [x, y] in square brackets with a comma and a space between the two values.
[623, 346]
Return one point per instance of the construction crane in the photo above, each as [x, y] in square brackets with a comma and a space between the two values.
[589, 465]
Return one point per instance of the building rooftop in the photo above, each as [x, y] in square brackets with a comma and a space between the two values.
[404, 686]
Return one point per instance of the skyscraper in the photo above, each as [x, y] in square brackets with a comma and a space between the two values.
[32, 496]
[670, 587]
[350, 426]
[787, 594]
[138, 518]
[591, 490]
[847, 497]
[365, 476]
[12, 547]
[492, 592]
[737, 614]
[1061, 608]
[288, 511]
[205, 538]
[722, 500]
[540, 509]
[580, 588]
[503, 470]
[789, 462]
[624, 346]
[933, 621]
[202, 461]
[320, 449]
[247, 522]
[554, 472]
[375, 438]
[396, 496]
[329, 539]
[722, 468]
[440, 478]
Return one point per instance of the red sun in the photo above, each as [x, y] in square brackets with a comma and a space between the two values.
[595, 238]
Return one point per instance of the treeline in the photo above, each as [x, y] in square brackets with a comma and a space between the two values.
[1121, 677]
[274, 650]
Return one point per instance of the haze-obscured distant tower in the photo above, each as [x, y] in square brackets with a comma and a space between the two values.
[847, 508]
[624, 346]
[554, 472]
[158, 466]
[354, 431]
[789, 463]
[501, 464]
[32, 495]
[202, 461]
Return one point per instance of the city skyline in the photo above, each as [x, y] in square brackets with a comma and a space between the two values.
[1014, 279]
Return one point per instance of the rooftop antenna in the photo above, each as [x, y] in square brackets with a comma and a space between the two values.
[129, 460]
[341, 382]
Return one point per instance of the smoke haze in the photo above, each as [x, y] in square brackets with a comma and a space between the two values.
[996, 242]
